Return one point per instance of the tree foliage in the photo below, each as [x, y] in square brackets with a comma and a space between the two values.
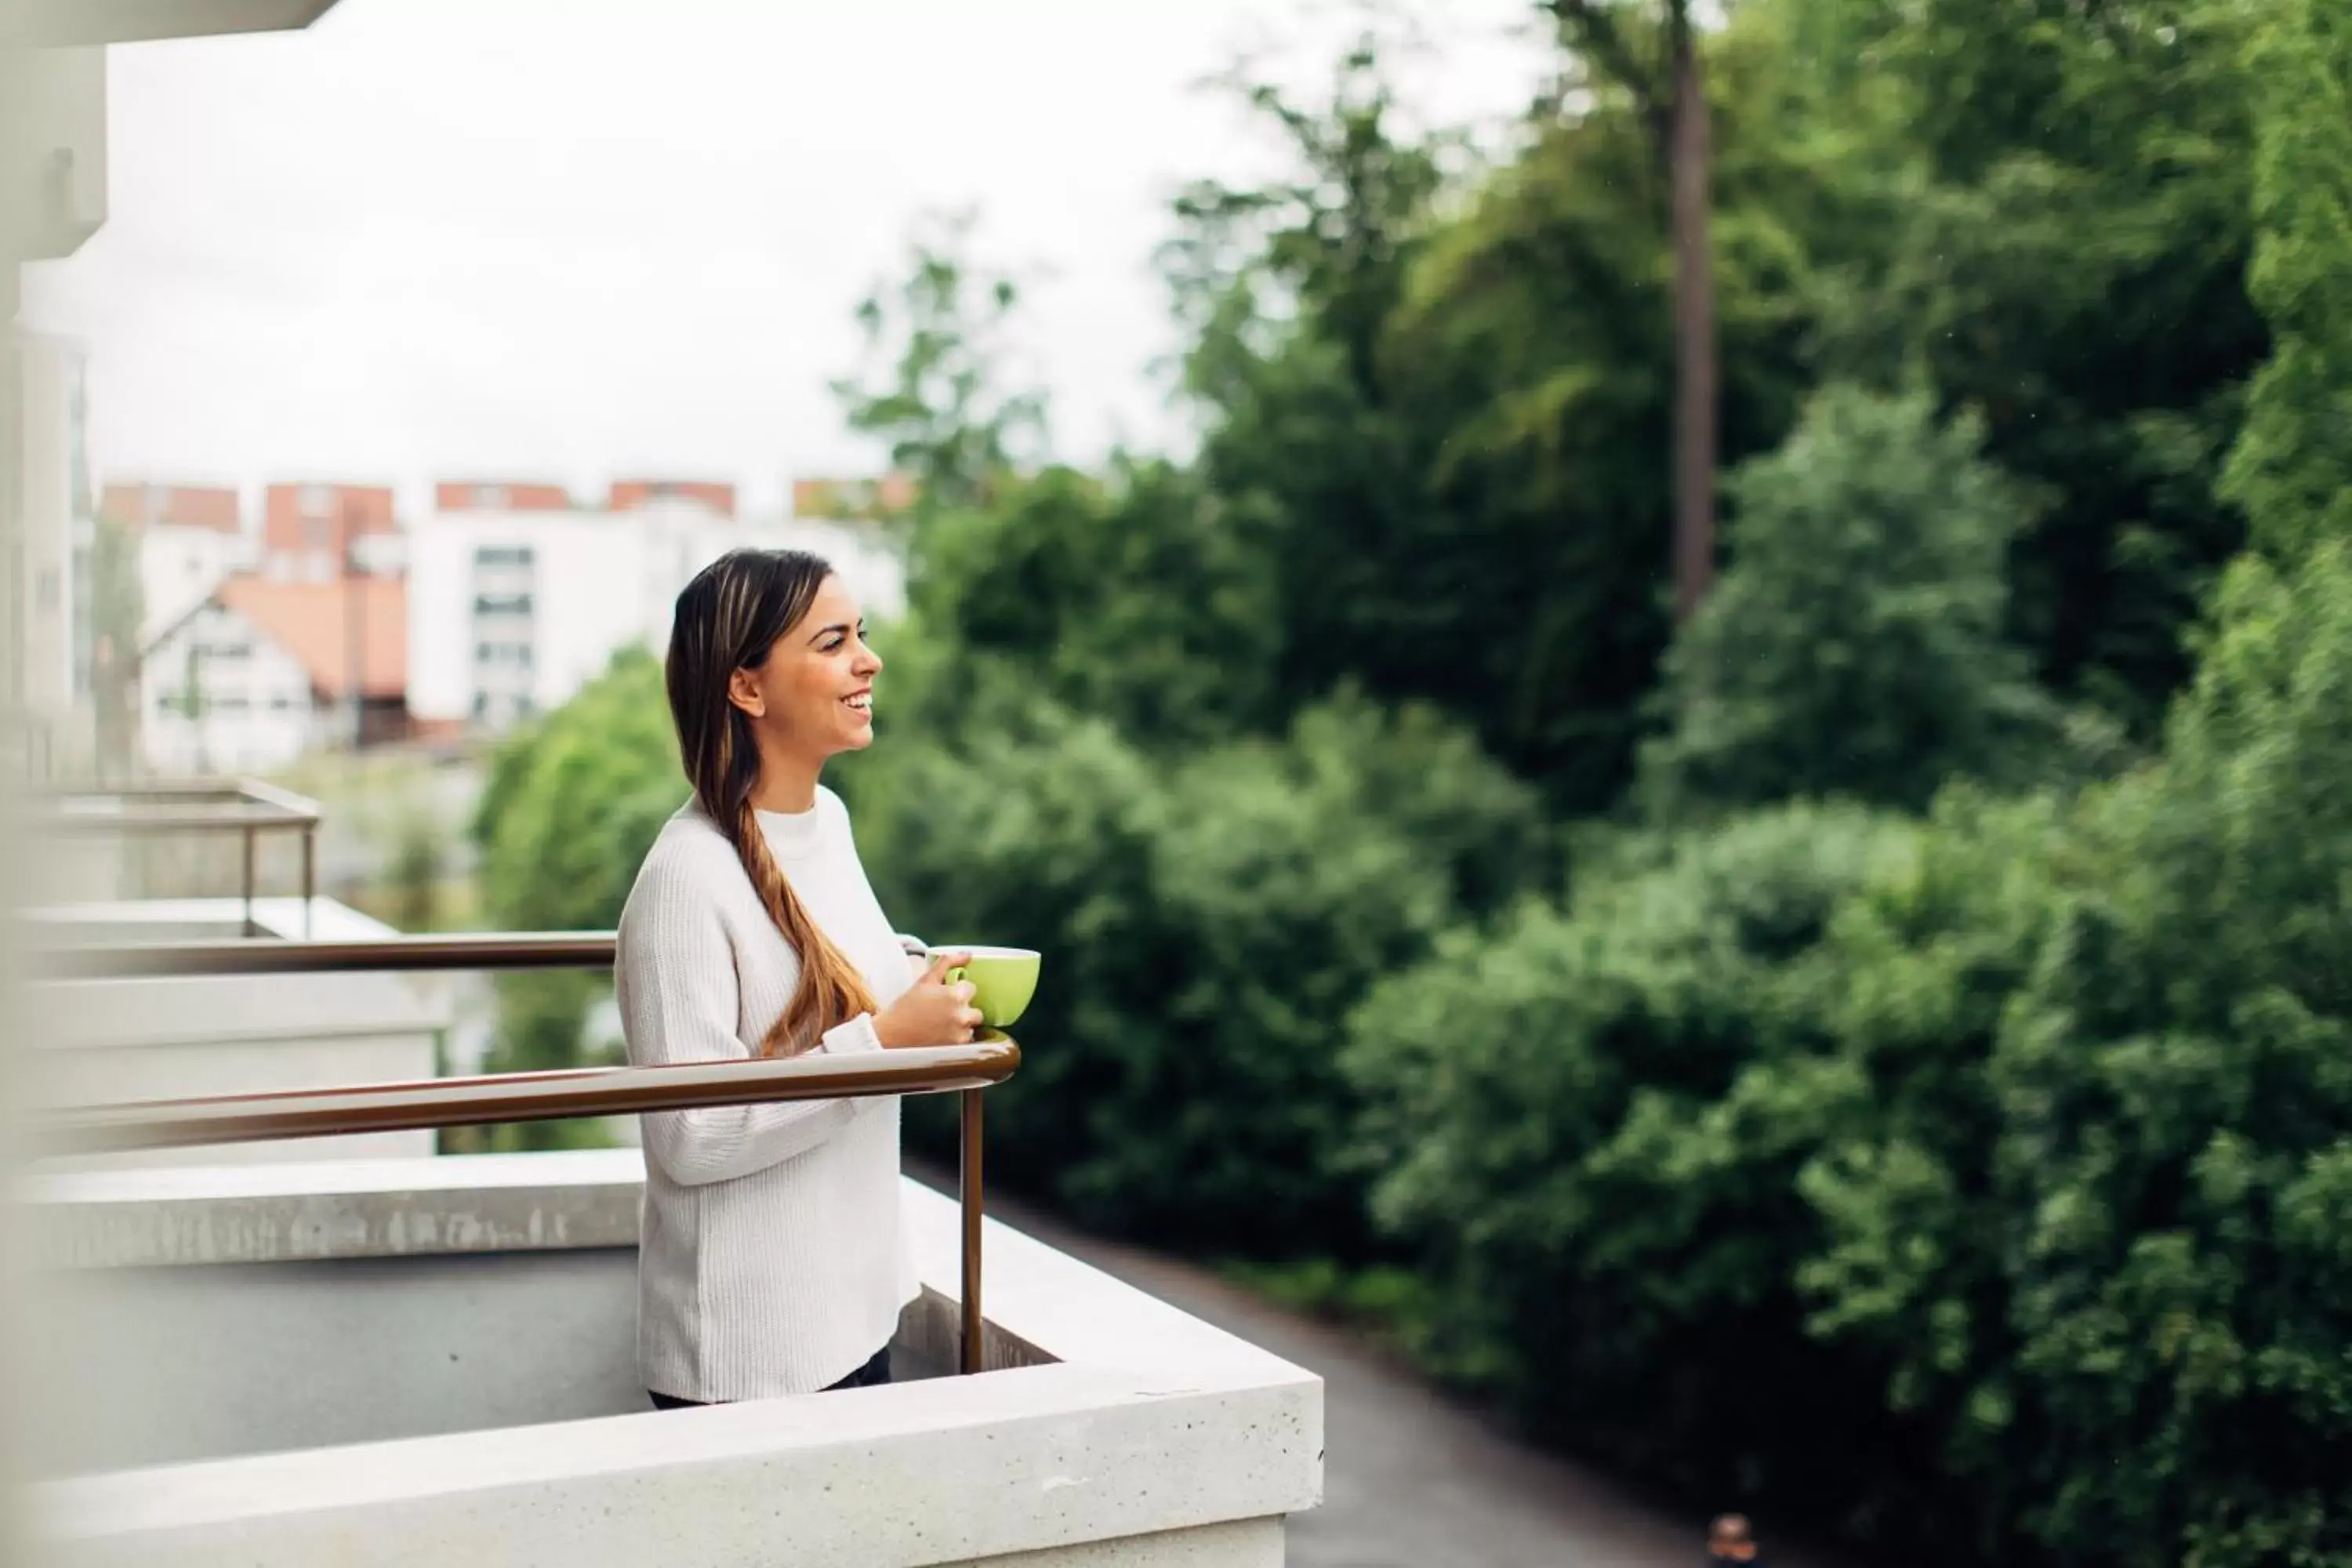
[571, 805]
[2292, 472]
[935, 388]
[1856, 647]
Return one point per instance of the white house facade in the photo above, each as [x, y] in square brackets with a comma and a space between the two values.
[219, 695]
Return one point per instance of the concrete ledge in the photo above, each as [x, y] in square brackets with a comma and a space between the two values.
[949, 1470]
[325, 1209]
[1146, 1436]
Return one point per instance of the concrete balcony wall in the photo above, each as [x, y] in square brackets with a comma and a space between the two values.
[102, 1040]
[52, 145]
[432, 1361]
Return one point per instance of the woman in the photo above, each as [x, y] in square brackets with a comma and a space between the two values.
[771, 1260]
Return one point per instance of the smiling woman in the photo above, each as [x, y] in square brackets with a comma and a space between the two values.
[772, 1261]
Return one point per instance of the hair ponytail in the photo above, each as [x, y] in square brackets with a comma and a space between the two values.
[831, 991]
[726, 619]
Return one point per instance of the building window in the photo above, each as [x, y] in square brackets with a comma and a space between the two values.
[492, 556]
[502, 603]
[489, 655]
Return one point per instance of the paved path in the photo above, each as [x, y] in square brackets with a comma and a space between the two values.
[1411, 1479]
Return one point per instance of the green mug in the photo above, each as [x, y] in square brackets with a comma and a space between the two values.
[1003, 979]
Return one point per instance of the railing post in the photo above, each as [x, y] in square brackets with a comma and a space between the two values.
[248, 878]
[310, 874]
[968, 1195]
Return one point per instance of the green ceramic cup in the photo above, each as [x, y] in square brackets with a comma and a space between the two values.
[1002, 978]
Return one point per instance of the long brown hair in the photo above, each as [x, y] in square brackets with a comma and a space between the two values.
[726, 619]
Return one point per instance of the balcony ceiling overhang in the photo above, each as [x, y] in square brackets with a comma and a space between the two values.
[57, 24]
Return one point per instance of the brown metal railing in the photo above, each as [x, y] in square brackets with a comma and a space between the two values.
[508, 1097]
[247, 807]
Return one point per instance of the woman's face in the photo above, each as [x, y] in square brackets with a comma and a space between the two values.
[814, 691]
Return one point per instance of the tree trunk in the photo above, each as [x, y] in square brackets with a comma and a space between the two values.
[1690, 167]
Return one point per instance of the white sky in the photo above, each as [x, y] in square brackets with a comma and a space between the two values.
[571, 238]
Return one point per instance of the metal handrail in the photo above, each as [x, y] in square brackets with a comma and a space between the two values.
[964, 1070]
[350, 1109]
[246, 806]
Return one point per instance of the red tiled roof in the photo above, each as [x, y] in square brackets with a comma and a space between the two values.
[302, 518]
[499, 495]
[311, 621]
[632, 495]
[180, 505]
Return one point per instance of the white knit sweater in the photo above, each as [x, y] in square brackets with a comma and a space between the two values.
[772, 1259]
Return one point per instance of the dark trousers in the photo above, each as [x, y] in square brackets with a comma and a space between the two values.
[876, 1370]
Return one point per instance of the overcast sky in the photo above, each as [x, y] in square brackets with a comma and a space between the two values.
[568, 239]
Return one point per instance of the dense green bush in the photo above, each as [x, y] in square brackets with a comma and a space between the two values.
[1988, 1181]
[1207, 924]
[1855, 646]
[2175, 1163]
[1590, 1123]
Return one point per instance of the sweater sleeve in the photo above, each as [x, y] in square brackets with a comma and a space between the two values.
[675, 982]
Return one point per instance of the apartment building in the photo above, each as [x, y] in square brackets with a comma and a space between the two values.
[511, 613]
[316, 532]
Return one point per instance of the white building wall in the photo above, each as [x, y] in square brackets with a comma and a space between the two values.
[596, 581]
[440, 594]
[255, 706]
[594, 568]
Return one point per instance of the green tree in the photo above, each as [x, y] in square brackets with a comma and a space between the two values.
[1856, 647]
[2293, 468]
[1535, 335]
[2175, 1166]
[572, 805]
[934, 387]
[1588, 1124]
[1135, 595]
[2044, 211]
[1207, 921]
[1289, 287]
[417, 863]
[1902, 1262]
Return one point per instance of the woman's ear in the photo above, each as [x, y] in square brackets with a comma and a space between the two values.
[743, 691]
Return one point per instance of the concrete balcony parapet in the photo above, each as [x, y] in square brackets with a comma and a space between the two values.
[432, 1359]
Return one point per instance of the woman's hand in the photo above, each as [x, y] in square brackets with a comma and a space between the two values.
[930, 1012]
